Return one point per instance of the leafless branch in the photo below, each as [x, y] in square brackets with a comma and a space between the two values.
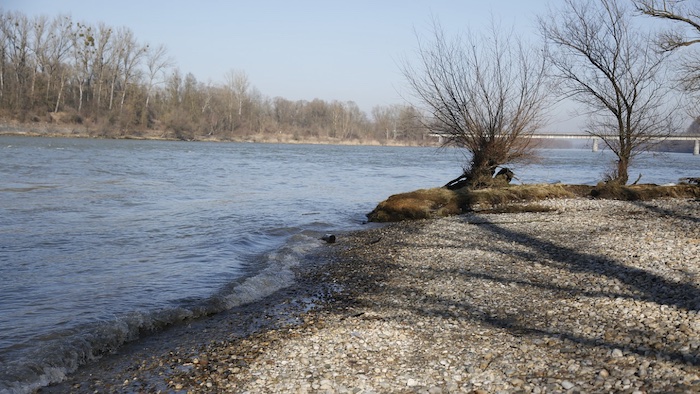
[607, 65]
[485, 92]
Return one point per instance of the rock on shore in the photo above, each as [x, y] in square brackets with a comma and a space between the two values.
[594, 296]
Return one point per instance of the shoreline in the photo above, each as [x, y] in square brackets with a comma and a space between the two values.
[48, 131]
[597, 295]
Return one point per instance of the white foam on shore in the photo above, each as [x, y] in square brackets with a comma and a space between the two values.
[277, 272]
[69, 350]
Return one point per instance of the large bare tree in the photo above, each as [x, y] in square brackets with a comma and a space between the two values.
[685, 17]
[685, 13]
[610, 66]
[237, 85]
[486, 94]
[83, 55]
[157, 64]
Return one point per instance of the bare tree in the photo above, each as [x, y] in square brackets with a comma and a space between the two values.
[386, 119]
[103, 58]
[686, 19]
[611, 66]
[39, 49]
[688, 16]
[285, 113]
[131, 53]
[60, 47]
[237, 85]
[16, 31]
[486, 94]
[83, 54]
[157, 63]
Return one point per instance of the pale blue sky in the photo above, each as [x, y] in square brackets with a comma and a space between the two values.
[299, 50]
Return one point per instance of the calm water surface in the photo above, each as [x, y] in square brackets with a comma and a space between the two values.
[100, 238]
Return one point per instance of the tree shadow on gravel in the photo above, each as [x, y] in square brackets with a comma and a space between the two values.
[667, 212]
[515, 326]
[651, 287]
[643, 286]
[646, 286]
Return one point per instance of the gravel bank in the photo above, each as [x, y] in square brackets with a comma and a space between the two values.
[594, 296]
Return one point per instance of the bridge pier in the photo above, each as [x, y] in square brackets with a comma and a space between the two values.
[595, 145]
[696, 148]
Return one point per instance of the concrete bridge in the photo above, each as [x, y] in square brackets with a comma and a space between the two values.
[696, 138]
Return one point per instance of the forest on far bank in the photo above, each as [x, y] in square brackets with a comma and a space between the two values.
[56, 73]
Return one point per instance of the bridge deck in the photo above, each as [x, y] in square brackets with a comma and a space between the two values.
[596, 139]
[589, 136]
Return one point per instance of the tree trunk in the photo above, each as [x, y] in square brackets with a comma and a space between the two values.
[60, 92]
[80, 99]
[111, 92]
[622, 174]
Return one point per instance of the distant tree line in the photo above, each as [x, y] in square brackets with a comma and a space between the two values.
[62, 71]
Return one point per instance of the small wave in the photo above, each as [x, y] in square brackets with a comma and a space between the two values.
[277, 272]
[64, 352]
[27, 188]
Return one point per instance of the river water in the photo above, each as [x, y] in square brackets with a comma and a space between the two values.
[102, 239]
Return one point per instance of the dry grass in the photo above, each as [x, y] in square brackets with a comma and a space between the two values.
[419, 204]
[644, 192]
[437, 202]
[509, 194]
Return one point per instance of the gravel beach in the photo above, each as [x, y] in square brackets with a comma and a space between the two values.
[592, 296]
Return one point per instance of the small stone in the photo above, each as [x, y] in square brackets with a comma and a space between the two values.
[567, 385]
[617, 353]
[411, 382]
[604, 373]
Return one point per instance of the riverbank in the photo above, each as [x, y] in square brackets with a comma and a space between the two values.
[594, 296]
[82, 131]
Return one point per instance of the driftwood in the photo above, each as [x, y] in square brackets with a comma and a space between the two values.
[504, 174]
[690, 180]
[458, 183]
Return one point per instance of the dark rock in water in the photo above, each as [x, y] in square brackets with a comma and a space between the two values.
[330, 238]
